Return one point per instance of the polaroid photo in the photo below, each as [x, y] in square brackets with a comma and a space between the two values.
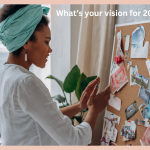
[118, 78]
[133, 72]
[115, 102]
[143, 110]
[141, 123]
[131, 110]
[137, 48]
[144, 94]
[141, 80]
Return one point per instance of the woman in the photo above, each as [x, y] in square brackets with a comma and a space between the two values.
[28, 114]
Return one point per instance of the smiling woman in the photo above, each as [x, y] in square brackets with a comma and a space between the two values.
[28, 114]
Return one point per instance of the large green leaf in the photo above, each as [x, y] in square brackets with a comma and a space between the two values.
[57, 80]
[71, 80]
[86, 82]
[59, 98]
[78, 89]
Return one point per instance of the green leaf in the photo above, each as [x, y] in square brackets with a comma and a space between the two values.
[59, 98]
[78, 118]
[71, 80]
[86, 82]
[57, 80]
[78, 89]
[61, 107]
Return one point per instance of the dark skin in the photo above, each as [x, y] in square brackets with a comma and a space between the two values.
[37, 53]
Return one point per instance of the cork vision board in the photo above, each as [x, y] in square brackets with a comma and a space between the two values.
[130, 93]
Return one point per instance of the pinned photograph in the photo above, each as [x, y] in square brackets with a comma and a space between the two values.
[144, 94]
[142, 110]
[115, 102]
[118, 78]
[110, 120]
[141, 80]
[128, 130]
[131, 110]
[137, 48]
[109, 130]
[133, 72]
[119, 50]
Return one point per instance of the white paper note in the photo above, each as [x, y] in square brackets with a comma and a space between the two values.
[148, 65]
[127, 42]
[115, 102]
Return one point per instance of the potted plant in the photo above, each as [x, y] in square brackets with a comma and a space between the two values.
[74, 81]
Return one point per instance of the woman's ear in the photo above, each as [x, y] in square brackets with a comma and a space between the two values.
[25, 46]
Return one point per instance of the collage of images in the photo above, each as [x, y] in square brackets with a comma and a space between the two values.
[119, 78]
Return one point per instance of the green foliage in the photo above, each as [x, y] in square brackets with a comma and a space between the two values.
[73, 82]
[78, 89]
[57, 80]
[86, 82]
[59, 98]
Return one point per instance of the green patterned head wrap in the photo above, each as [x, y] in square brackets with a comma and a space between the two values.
[16, 29]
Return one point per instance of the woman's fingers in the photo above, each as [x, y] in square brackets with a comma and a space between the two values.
[94, 91]
[92, 84]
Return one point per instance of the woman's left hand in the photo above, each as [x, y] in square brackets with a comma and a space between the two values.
[87, 92]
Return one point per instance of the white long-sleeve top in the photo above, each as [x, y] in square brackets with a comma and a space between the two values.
[29, 116]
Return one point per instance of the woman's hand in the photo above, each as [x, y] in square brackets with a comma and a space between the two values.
[87, 92]
[100, 101]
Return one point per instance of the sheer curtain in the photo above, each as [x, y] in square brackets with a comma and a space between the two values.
[95, 51]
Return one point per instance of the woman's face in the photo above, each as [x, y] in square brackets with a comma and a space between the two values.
[38, 51]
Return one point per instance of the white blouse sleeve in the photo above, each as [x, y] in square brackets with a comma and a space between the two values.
[35, 100]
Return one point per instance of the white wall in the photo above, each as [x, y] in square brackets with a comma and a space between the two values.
[128, 19]
[60, 44]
